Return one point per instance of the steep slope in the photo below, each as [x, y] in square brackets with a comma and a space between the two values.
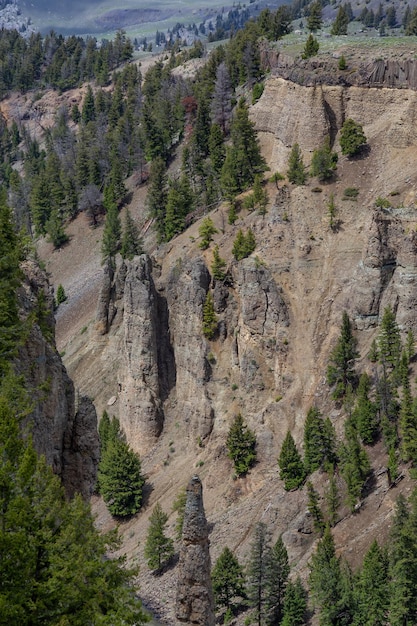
[176, 394]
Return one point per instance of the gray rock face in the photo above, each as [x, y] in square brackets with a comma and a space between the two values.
[141, 413]
[194, 602]
[67, 436]
[388, 272]
[186, 295]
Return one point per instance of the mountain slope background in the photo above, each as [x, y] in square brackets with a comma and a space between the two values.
[271, 369]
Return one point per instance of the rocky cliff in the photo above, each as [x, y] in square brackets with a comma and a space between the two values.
[63, 424]
[279, 316]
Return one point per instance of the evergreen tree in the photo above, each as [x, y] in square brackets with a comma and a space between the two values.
[314, 20]
[295, 604]
[243, 245]
[319, 441]
[217, 150]
[156, 198]
[180, 201]
[372, 589]
[332, 500]
[403, 564]
[340, 25]
[296, 171]
[352, 137]
[365, 415]
[341, 371]
[111, 234]
[408, 424]
[410, 344]
[323, 162]
[245, 151]
[131, 244]
[354, 467]
[55, 567]
[60, 294]
[389, 340]
[278, 572]
[209, 317]
[241, 446]
[206, 232]
[329, 586]
[311, 48]
[88, 113]
[119, 475]
[228, 582]
[218, 265]
[292, 470]
[314, 508]
[158, 547]
[258, 573]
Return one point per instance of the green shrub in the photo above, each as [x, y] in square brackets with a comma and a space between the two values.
[351, 193]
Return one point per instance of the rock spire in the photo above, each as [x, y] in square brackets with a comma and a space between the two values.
[194, 603]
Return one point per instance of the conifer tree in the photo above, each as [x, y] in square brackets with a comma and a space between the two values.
[329, 584]
[241, 445]
[292, 470]
[60, 294]
[314, 508]
[218, 265]
[296, 171]
[158, 547]
[55, 566]
[352, 137]
[365, 412]
[217, 151]
[324, 162]
[131, 244]
[119, 474]
[341, 371]
[372, 589]
[258, 573]
[209, 317]
[389, 340]
[228, 582]
[278, 572]
[111, 234]
[156, 198]
[408, 424]
[295, 604]
[314, 20]
[332, 500]
[319, 441]
[206, 232]
[311, 48]
[354, 467]
[340, 25]
[88, 112]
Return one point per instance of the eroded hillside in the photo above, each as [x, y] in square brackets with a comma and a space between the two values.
[176, 393]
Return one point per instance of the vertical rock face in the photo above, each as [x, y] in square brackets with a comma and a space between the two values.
[65, 434]
[141, 414]
[187, 292]
[388, 272]
[194, 603]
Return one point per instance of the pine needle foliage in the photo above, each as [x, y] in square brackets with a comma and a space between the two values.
[119, 473]
[209, 317]
[292, 470]
[158, 547]
[241, 445]
[228, 582]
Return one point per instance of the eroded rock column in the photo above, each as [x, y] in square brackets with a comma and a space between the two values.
[194, 603]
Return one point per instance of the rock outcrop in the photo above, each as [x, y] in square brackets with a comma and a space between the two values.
[186, 294]
[194, 601]
[63, 430]
[141, 412]
[387, 274]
